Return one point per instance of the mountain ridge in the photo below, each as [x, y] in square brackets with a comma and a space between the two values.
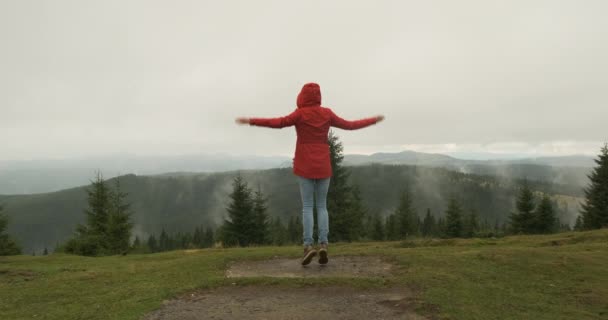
[39, 176]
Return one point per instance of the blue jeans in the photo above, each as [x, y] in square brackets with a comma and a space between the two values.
[317, 189]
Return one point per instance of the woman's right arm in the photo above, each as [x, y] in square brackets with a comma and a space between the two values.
[277, 123]
[353, 125]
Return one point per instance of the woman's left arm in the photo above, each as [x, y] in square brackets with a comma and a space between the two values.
[278, 123]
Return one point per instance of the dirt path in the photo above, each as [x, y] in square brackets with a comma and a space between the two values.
[276, 302]
[289, 303]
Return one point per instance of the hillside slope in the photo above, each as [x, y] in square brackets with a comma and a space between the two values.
[182, 201]
[553, 277]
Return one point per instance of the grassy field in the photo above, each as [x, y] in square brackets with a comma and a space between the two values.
[562, 276]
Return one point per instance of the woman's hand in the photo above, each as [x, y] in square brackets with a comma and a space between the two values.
[242, 121]
[379, 118]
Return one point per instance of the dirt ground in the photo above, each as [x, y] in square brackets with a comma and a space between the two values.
[271, 302]
[369, 267]
[276, 302]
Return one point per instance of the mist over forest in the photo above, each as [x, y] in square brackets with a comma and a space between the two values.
[178, 202]
[39, 176]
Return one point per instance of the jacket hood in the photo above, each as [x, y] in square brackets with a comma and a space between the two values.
[310, 96]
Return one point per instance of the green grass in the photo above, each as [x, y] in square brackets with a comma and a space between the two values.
[562, 276]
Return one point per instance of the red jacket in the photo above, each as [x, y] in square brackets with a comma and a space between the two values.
[312, 123]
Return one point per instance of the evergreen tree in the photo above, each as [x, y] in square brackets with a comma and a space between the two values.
[578, 226]
[92, 239]
[406, 217]
[357, 214]
[294, 230]
[544, 216]
[368, 227]
[98, 213]
[378, 233]
[136, 243]
[471, 225]
[339, 195]
[278, 232]
[240, 227]
[119, 226]
[454, 223]
[152, 244]
[260, 232]
[595, 208]
[8, 246]
[346, 210]
[197, 238]
[428, 224]
[392, 228]
[208, 238]
[164, 242]
[440, 229]
[523, 220]
[45, 252]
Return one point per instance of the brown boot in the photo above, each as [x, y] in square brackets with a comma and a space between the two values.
[323, 259]
[309, 253]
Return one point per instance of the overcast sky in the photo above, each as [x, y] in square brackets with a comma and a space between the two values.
[81, 78]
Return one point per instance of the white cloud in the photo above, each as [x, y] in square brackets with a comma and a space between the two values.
[87, 77]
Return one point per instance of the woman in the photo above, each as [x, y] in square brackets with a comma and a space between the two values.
[312, 160]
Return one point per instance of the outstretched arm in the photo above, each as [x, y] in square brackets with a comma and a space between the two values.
[280, 122]
[353, 125]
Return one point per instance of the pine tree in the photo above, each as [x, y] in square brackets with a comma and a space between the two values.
[578, 226]
[8, 246]
[98, 212]
[197, 238]
[136, 243]
[523, 220]
[378, 233]
[357, 214]
[368, 227]
[440, 228]
[278, 232]
[454, 223]
[164, 243]
[428, 225]
[152, 244]
[392, 228]
[260, 231]
[544, 216]
[92, 239]
[406, 217]
[595, 208]
[45, 252]
[339, 195]
[294, 230]
[471, 225]
[208, 238]
[119, 226]
[239, 228]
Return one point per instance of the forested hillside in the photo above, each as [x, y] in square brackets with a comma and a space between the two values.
[181, 202]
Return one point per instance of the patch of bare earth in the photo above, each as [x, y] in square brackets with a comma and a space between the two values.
[276, 302]
[367, 267]
[290, 303]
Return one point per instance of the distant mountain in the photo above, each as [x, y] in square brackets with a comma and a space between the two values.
[181, 201]
[405, 157]
[38, 176]
[568, 170]
[441, 160]
[29, 177]
[564, 161]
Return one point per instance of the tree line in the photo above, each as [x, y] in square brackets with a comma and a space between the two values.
[8, 246]
[108, 227]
